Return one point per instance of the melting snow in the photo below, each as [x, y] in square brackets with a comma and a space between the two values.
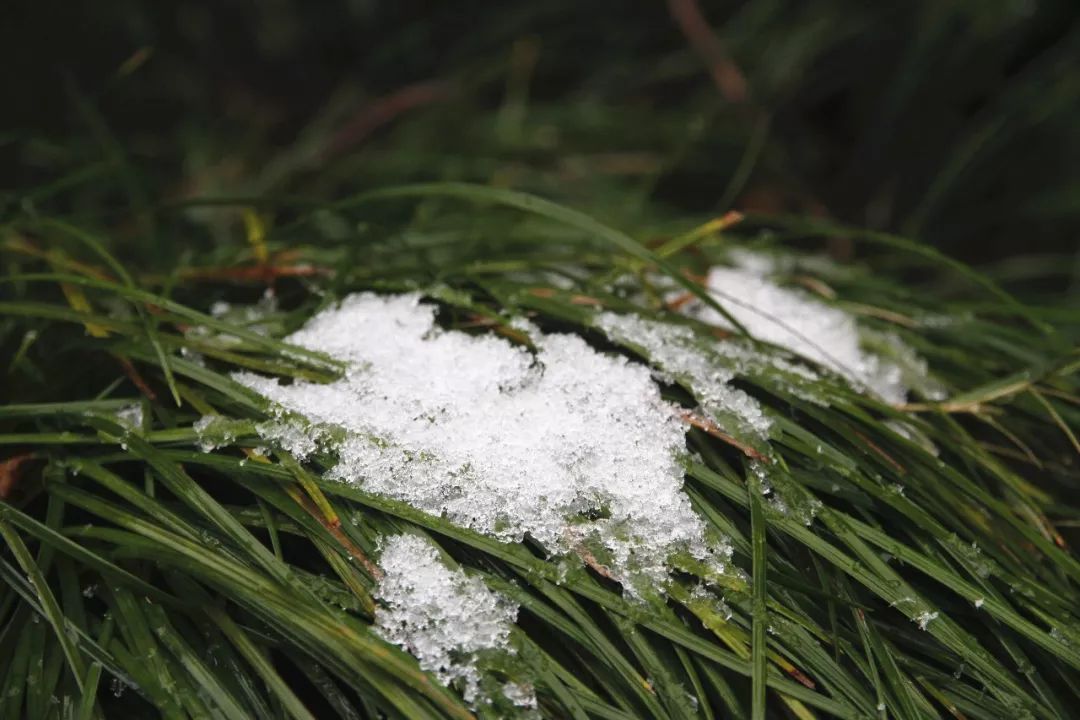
[798, 322]
[444, 618]
[571, 446]
[677, 352]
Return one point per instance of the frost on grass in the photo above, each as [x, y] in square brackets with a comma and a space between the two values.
[214, 431]
[451, 623]
[707, 369]
[254, 317]
[257, 318]
[785, 496]
[131, 417]
[797, 321]
[679, 355]
[924, 618]
[570, 446]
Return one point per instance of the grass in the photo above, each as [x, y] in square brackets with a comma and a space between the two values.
[143, 577]
[228, 583]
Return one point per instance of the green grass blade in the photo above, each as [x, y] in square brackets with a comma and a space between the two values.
[48, 601]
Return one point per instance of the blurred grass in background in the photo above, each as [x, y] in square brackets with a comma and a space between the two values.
[953, 122]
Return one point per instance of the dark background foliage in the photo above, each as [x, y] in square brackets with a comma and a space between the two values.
[954, 122]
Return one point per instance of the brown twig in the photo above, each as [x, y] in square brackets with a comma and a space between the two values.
[383, 111]
[16, 242]
[589, 559]
[9, 473]
[711, 428]
[816, 286]
[881, 453]
[542, 292]
[680, 301]
[882, 314]
[727, 76]
[350, 547]
[802, 678]
[974, 407]
[135, 377]
[256, 273]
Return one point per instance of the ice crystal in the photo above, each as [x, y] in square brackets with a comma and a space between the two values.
[131, 416]
[118, 687]
[215, 431]
[293, 435]
[573, 447]
[253, 316]
[257, 318]
[784, 495]
[444, 618]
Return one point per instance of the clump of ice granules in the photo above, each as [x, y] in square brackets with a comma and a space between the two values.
[570, 446]
[445, 619]
[798, 322]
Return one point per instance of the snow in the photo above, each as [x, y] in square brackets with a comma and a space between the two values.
[258, 318]
[131, 417]
[252, 315]
[444, 618]
[214, 431]
[570, 446]
[294, 437]
[677, 352]
[798, 322]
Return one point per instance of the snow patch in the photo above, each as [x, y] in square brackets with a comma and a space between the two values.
[678, 354]
[798, 322]
[570, 446]
[444, 618]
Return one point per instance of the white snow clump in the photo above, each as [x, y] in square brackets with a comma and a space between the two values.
[796, 321]
[571, 446]
[444, 618]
